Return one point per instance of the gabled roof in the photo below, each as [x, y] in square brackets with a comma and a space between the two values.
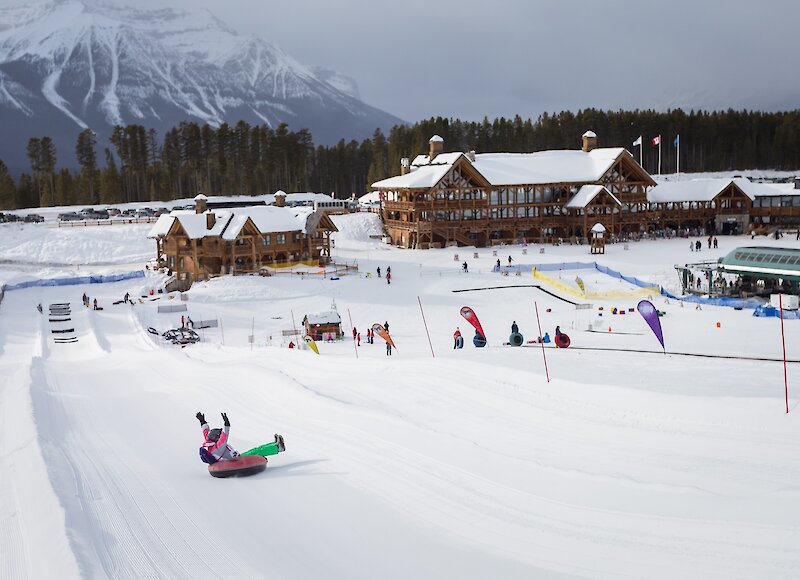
[708, 189]
[422, 175]
[194, 224]
[270, 219]
[586, 194]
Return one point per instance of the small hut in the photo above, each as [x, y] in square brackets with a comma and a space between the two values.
[324, 326]
[598, 239]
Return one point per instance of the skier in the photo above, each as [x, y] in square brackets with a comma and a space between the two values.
[95, 304]
[509, 260]
[464, 267]
[498, 264]
[127, 297]
[355, 334]
[456, 336]
[514, 327]
[388, 277]
[379, 271]
[216, 448]
[359, 339]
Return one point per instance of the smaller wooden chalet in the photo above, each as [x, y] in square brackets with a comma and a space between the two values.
[205, 243]
[324, 325]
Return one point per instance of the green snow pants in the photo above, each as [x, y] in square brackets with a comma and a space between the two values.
[263, 450]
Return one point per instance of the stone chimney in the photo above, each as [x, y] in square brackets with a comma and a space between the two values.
[405, 166]
[211, 219]
[589, 141]
[200, 203]
[280, 198]
[436, 146]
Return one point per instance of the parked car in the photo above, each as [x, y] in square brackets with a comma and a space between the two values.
[70, 216]
[100, 214]
[113, 212]
[129, 213]
[34, 218]
[160, 211]
[12, 217]
[2, 217]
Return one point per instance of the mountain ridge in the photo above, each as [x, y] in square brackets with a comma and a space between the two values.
[72, 64]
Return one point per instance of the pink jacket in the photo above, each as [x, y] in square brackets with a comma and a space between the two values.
[219, 449]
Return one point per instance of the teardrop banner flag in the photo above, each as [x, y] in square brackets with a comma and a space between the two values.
[310, 342]
[381, 331]
[472, 318]
[650, 315]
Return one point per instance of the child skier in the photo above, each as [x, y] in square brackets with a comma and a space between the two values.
[215, 447]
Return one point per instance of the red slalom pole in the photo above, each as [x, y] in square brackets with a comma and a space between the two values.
[546, 372]
[351, 331]
[783, 341]
[426, 326]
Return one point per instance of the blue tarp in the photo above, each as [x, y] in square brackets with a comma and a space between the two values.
[76, 281]
[771, 311]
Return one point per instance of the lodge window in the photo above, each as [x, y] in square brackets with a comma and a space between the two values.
[267, 239]
[280, 239]
[296, 238]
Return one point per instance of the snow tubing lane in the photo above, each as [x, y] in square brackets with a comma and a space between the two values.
[562, 341]
[239, 467]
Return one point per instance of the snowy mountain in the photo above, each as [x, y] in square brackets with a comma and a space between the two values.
[71, 64]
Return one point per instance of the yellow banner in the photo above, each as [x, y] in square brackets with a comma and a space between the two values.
[610, 295]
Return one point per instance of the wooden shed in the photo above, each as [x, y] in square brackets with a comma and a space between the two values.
[323, 326]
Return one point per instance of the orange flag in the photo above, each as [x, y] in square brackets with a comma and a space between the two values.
[381, 331]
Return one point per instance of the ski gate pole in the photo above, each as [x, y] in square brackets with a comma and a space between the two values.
[426, 326]
[783, 341]
[546, 372]
[351, 330]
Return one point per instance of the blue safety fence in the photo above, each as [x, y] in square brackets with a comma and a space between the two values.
[722, 301]
[76, 281]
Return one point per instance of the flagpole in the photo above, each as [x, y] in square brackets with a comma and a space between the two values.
[659, 154]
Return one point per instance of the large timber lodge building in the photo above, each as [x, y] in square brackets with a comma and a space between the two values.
[489, 198]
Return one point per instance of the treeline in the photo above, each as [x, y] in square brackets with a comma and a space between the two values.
[136, 164]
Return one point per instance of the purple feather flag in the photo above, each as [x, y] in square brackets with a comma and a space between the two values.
[650, 315]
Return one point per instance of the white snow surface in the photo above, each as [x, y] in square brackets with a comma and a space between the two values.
[467, 465]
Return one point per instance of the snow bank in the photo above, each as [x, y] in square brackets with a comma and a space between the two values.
[357, 227]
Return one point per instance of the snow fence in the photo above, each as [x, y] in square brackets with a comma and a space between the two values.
[75, 281]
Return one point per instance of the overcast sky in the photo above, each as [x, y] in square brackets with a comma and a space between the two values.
[419, 58]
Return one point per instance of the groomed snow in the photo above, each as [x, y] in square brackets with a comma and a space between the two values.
[466, 465]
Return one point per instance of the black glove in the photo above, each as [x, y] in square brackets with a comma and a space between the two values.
[201, 418]
[225, 420]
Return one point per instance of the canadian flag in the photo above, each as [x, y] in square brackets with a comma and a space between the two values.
[657, 140]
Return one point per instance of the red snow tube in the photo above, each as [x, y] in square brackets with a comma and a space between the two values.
[562, 340]
[242, 465]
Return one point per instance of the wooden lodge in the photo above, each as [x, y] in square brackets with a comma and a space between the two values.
[205, 243]
[480, 199]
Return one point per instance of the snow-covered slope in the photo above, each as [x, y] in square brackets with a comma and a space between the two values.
[72, 64]
[628, 463]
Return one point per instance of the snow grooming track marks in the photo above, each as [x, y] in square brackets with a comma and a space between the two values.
[124, 522]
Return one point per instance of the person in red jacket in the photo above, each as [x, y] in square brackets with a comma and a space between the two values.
[456, 336]
[388, 277]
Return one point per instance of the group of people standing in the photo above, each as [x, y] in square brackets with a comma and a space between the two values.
[698, 245]
[388, 274]
[87, 303]
[371, 336]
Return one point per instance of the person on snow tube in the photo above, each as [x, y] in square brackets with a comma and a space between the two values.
[216, 448]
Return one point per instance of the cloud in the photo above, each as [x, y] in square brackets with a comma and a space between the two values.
[469, 59]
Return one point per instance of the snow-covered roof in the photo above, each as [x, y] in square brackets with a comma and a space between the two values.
[269, 219]
[195, 224]
[708, 189]
[586, 194]
[200, 197]
[503, 169]
[590, 134]
[162, 226]
[542, 167]
[329, 317]
[598, 228]
[280, 192]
